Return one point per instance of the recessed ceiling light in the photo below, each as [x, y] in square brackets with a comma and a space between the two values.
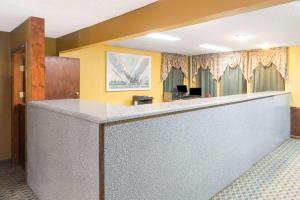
[162, 37]
[242, 37]
[215, 47]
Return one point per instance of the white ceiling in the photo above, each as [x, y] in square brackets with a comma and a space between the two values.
[276, 26]
[64, 16]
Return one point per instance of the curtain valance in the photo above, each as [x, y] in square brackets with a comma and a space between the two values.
[217, 63]
[276, 56]
[246, 60]
[208, 61]
[173, 60]
[233, 60]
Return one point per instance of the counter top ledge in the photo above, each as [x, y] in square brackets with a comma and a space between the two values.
[106, 113]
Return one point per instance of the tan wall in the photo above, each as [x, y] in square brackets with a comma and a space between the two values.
[50, 47]
[5, 97]
[19, 35]
[162, 15]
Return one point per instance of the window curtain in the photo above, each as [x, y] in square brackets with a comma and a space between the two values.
[247, 61]
[233, 82]
[275, 56]
[267, 78]
[175, 77]
[218, 63]
[170, 61]
[206, 82]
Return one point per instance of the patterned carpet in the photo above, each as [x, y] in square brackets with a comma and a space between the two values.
[276, 177]
[12, 183]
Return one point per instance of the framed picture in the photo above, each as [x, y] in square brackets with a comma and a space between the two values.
[127, 72]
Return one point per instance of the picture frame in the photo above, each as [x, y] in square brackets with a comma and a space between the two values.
[127, 72]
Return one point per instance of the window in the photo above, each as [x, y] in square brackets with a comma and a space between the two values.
[267, 78]
[233, 82]
[174, 78]
[207, 83]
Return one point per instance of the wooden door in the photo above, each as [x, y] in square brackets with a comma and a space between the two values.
[18, 60]
[62, 77]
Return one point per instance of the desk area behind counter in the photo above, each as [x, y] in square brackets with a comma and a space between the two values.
[181, 92]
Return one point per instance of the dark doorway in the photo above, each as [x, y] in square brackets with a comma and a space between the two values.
[18, 67]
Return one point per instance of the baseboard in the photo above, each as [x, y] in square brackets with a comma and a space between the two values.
[295, 137]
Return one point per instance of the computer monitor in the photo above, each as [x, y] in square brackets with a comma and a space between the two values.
[196, 91]
[182, 88]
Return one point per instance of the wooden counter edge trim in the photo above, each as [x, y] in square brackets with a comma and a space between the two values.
[101, 163]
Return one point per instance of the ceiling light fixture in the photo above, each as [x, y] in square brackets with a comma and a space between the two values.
[215, 47]
[162, 37]
[241, 37]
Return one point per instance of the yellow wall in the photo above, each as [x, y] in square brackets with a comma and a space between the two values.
[93, 74]
[50, 47]
[293, 83]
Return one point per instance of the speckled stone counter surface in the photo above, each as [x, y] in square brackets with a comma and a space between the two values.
[182, 150]
[105, 113]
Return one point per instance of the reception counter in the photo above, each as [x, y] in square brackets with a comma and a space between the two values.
[185, 150]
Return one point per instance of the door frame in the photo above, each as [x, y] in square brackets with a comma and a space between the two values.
[16, 157]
